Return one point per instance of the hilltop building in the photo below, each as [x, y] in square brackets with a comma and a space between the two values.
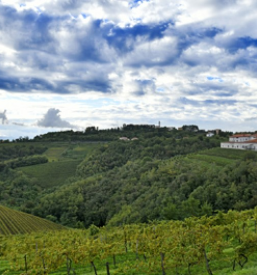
[241, 142]
[124, 138]
[215, 131]
[210, 134]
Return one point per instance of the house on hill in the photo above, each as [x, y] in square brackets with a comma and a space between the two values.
[241, 142]
[210, 134]
[124, 138]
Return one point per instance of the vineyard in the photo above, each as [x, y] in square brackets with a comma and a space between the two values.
[52, 173]
[221, 244]
[63, 160]
[225, 153]
[63, 151]
[15, 222]
[220, 161]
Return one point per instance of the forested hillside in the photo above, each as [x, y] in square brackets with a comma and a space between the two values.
[160, 175]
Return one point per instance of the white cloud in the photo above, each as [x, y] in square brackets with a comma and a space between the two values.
[107, 62]
[52, 119]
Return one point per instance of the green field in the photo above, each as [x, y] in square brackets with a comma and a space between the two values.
[63, 160]
[211, 159]
[52, 173]
[227, 153]
[80, 150]
[219, 156]
[55, 153]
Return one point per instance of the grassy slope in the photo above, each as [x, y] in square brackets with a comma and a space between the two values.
[51, 174]
[16, 222]
[226, 153]
[63, 160]
[55, 153]
[218, 156]
[60, 151]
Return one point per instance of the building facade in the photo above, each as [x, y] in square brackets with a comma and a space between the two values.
[241, 142]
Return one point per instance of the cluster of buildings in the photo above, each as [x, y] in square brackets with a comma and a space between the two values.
[241, 142]
[127, 139]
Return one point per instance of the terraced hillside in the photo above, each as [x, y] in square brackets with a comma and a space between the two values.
[14, 222]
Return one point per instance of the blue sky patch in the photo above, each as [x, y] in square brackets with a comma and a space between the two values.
[136, 3]
[215, 78]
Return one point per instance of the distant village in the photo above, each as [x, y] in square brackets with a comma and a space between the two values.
[240, 141]
[189, 128]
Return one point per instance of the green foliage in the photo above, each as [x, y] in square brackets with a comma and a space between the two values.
[161, 175]
[122, 217]
[26, 161]
[93, 230]
[250, 155]
[126, 182]
[14, 150]
[221, 244]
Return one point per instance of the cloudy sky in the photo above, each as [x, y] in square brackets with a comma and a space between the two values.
[77, 63]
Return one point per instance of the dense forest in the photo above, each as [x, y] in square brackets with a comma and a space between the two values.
[162, 174]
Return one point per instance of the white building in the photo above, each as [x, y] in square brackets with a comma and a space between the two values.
[210, 134]
[124, 138]
[241, 142]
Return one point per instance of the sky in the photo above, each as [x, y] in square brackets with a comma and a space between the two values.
[71, 64]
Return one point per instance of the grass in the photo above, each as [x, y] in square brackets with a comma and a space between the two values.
[80, 151]
[55, 153]
[52, 173]
[218, 156]
[220, 161]
[232, 154]
[127, 264]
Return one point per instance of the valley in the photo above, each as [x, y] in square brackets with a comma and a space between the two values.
[102, 186]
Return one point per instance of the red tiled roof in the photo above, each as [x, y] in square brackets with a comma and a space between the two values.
[250, 141]
[232, 142]
[240, 135]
